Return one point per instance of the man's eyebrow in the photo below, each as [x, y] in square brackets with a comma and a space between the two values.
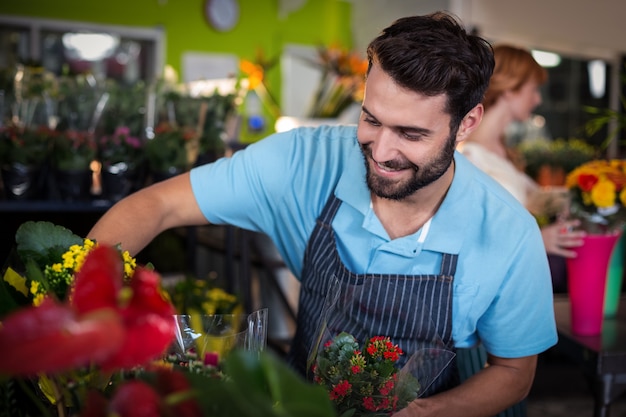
[413, 129]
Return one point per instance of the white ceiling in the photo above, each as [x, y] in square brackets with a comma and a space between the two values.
[593, 29]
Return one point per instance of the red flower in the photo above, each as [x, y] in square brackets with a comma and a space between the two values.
[340, 390]
[387, 387]
[53, 338]
[369, 404]
[99, 280]
[148, 321]
[211, 358]
[135, 399]
[93, 327]
[587, 181]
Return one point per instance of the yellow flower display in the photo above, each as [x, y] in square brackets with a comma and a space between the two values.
[60, 275]
[598, 194]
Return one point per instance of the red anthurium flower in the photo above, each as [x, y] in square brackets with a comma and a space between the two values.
[51, 338]
[148, 322]
[135, 399]
[99, 281]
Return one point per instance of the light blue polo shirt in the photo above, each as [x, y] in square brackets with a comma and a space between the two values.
[502, 288]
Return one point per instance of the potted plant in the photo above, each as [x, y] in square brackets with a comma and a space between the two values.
[72, 154]
[23, 154]
[168, 152]
[122, 160]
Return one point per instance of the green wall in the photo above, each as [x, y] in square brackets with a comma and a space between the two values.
[259, 27]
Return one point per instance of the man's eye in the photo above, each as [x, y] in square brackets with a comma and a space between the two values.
[411, 136]
[371, 121]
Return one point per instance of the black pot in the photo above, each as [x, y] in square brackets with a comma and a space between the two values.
[22, 182]
[74, 185]
[119, 180]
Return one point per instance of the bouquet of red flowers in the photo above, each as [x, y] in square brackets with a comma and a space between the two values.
[364, 380]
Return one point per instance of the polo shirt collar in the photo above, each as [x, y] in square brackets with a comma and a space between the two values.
[447, 229]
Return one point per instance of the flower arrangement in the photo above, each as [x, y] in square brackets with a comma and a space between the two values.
[364, 380]
[73, 150]
[342, 82]
[169, 150]
[92, 313]
[25, 146]
[97, 351]
[598, 195]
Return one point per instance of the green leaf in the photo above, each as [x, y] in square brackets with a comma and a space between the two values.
[44, 242]
[261, 385]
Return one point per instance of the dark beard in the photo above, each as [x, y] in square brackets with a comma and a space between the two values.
[422, 176]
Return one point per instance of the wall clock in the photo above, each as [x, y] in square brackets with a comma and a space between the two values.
[222, 15]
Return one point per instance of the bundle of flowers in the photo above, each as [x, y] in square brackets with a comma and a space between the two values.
[598, 195]
[364, 380]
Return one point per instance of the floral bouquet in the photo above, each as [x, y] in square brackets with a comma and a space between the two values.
[598, 195]
[373, 362]
[364, 379]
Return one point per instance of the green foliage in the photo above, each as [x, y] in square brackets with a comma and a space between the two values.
[601, 117]
[260, 384]
[37, 244]
[169, 148]
[44, 242]
[125, 106]
[560, 153]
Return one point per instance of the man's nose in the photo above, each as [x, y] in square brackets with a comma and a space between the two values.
[384, 146]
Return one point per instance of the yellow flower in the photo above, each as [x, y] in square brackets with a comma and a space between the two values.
[603, 194]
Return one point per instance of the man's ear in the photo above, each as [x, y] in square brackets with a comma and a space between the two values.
[470, 122]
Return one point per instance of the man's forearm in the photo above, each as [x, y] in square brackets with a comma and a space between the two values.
[495, 388]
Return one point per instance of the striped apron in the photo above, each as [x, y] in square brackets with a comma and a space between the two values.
[415, 311]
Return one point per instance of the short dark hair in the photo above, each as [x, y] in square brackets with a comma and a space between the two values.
[432, 55]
